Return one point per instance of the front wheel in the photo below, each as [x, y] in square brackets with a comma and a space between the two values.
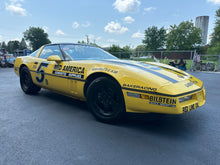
[105, 100]
[26, 82]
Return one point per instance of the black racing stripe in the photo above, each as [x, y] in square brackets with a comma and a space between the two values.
[162, 94]
[72, 78]
[147, 70]
[174, 71]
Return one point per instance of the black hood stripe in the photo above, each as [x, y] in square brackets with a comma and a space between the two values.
[147, 70]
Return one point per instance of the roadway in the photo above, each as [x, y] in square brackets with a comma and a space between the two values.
[48, 128]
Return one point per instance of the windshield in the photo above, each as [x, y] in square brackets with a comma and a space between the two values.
[34, 53]
[85, 52]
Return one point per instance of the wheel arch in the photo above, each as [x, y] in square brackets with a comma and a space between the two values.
[22, 65]
[94, 76]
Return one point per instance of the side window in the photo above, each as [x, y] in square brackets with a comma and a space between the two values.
[50, 51]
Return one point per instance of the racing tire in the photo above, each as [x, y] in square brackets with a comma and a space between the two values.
[26, 82]
[105, 100]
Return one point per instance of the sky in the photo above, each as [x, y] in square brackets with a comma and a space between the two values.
[105, 22]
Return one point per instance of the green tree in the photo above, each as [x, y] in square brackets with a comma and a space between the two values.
[127, 48]
[37, 37]
[185, 36]
[201, 49]
[215, 37]
[4, 46]
[12, 46]
[139, 50]
[154, 38]
[115, 50]
[81, 42]
[126, 52]
[214, 49]
[22, 44]
[94, 44]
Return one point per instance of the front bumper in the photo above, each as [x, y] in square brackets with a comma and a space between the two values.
[167, 104]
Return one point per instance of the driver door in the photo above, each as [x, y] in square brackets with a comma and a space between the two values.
[49, 74]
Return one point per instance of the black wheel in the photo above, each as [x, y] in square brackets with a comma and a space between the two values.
[105, 100]
[26, 82]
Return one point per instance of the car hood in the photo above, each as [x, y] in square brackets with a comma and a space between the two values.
[164, 77]
[165, 73]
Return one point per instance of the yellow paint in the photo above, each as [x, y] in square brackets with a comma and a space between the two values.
[131, 79]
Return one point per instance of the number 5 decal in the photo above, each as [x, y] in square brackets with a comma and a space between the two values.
[40, 71]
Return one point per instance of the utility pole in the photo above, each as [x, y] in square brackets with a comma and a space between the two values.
[87, 37]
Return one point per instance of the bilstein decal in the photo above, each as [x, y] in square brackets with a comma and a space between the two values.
[163, 100]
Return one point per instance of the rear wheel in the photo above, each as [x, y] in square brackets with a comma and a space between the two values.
[105, 100]
[26, 82]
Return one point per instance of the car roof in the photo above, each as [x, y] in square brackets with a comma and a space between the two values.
[71, 44]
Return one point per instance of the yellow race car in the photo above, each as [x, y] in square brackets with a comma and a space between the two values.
[110, 86]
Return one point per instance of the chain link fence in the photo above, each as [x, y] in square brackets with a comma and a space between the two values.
[194, 62]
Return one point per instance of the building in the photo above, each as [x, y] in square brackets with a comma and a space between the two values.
[202, 22]
[24, 52]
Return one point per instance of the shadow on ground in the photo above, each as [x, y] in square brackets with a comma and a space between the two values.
[160, 124]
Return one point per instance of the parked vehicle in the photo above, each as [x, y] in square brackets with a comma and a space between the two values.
[110, 86]
[7, 60]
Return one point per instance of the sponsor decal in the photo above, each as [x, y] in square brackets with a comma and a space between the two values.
[59, 73]
[75, 75]
[73, 69]
[77, 71]
[162, 100]
[105, 69]
[68, 74]
[110, 70]
[140, 87]
[98, 69]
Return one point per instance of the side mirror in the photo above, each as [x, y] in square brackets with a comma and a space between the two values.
[54, 58]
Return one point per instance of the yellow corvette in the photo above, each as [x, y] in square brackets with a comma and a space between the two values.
[109, 86]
